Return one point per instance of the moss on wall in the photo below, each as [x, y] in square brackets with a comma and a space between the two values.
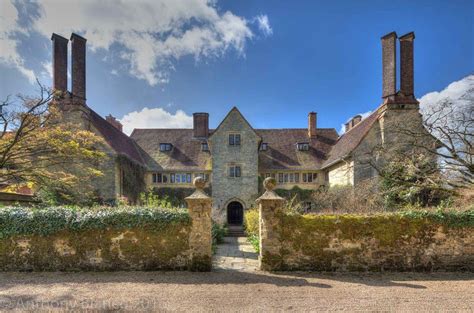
[133, 178]
[102, 249]
[402, 241]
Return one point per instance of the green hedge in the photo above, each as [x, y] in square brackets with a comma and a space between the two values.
[46, 221]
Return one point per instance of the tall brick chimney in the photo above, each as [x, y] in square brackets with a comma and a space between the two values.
[78, 66]
[312, 124]
[406, 65]
[389, 64]
[201, 125]
[59, 62]
[114, 122]
[353, 122]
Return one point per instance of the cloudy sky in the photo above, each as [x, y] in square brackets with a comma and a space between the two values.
[152, 63]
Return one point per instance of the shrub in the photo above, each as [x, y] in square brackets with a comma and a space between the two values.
[218, 233]
[251, 222]
[46, 221]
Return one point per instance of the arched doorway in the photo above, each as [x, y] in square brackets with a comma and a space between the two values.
[235, 213]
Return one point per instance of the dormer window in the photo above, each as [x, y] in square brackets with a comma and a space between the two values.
[302, 146]
[204, 146]
[165, 147]
[234, 139]
[264, 146]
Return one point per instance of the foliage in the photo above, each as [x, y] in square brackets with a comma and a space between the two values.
[412, 180]
[218, 233]
[133, 178]
[176, 196]
[255, 242]
[150, 199]
[37, 146]
[252, 227]
[251, 222]
[46, 221]
[298, 194]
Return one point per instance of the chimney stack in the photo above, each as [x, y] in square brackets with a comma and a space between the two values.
[114, 122]
[78, 66]
[389, 63]
[312, 124]
[59, 62]
[406, 65]
[352, 122]
[201, 125]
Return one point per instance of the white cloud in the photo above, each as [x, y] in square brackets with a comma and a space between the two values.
[264, 25]
[155, 118]
[342, 130]
[460, 92]
[152, 34]
[9, 29]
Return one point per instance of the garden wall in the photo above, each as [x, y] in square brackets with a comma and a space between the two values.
[64, 239]
[400, 242]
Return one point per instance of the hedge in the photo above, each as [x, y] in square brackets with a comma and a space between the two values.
[46, 221]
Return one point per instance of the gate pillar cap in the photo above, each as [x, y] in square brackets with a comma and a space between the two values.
[269, 184]
[199, 193]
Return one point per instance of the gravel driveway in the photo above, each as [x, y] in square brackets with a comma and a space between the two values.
[237, 291]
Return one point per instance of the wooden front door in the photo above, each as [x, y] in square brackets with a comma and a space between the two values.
[235, 213]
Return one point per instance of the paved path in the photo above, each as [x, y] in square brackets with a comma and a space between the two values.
[235, 254]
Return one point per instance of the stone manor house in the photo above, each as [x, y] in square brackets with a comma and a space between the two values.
[234, 155]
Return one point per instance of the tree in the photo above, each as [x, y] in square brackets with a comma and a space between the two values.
[37, 146]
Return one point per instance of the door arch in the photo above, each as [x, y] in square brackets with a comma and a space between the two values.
[235, 213]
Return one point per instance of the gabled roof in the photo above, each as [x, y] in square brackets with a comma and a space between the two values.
[234, 109]
[350, 140]
[118, 141]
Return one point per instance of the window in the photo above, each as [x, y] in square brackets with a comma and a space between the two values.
[188, 178]
[235, 171]
[315, 177]
[172, 178]
[310, 178]
[165, 147]
[264, 146]
[297, 177]
[292, 177]
[303, 146]
[280, 177]
[203, 175]
[204, 146]
[165, 178]
[157, 178]
[305, 178]
[234, 139]
[285, 178]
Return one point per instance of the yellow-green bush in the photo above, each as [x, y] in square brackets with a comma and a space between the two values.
[251, 222]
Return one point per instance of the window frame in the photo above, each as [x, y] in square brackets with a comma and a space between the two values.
[264, 146]
[233, 141]
[165, 146]
[204, 146]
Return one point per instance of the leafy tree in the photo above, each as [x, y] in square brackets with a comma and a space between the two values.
[39, 148]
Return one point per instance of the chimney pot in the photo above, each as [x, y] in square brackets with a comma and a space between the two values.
[201, 125]
[78, 66]
[114, 122]
[312, 124]
[389, 65]
[59, 62]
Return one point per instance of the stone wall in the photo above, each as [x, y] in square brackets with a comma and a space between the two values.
[115, 240]
[341, 174]
[362, 243]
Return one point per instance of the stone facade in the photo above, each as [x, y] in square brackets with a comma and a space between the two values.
[226, 189]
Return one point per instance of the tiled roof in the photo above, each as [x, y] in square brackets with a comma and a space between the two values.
[119, 142]
[185, 155]
[282, 153]
[351, 139]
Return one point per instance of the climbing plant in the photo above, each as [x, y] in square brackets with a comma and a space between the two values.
[133, 178]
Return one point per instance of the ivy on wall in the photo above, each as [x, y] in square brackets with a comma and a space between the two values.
[175, 196]
[133, 178]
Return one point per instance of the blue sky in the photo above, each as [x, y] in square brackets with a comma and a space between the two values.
[274, 60]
